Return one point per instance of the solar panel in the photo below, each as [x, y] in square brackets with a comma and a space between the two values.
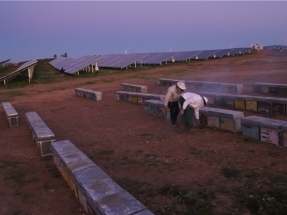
[235, 51]
[109, 59]
[5, 61]
[184, 56]
[150, 56]
[81, 63]
[60, 63]
[118, 59]
[73, 63]
[205, 54]
[164, 56]
[222, 53]
[132, 59]
[26, 65]
[245, 50]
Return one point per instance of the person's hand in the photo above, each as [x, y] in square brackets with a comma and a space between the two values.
[165, 107]
[181, 112]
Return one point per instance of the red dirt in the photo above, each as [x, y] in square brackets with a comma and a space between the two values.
[141, 152]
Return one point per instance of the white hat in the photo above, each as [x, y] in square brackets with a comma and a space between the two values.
[181, 85]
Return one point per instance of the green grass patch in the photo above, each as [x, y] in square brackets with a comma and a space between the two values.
[44, 73]
[267, 203]
[230, 172]
[195, 202]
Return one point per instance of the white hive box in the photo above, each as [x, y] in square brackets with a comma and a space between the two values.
[155, 107]
[89, 94]
[263, 129]
[223, 119]
[137, 98]
[134, 88]
[270, 88]
[214, 87]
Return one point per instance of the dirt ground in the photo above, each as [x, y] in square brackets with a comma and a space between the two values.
[171, 171]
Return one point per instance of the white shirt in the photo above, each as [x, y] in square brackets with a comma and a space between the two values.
[194, 101]
[171, 95]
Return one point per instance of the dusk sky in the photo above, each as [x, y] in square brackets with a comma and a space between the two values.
[40, 29]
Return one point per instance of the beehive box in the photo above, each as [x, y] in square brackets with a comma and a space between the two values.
[208, 120]
[103, 195]
[282, 91]
[278, 105]
[193, 85]
[236, 89]
[89, 94]
[250, 127]
[155, 107]
[119, 203]
[82, 199]
[137, 98]
[212, 121]
[223, 119]
[239, 104]
[134, 88]
[264, 89]
[270, 88]
[256, 88]
[210, 99]
[168, 82]
[261, 88]
[229, 103]
[284, 135]
[251, 105]
[264, 107]
[210, 86]
[219, 101]
[269, 129]
[217, 87]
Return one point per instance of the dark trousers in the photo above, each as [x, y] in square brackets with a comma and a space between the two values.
[189, 115]
[174, 110]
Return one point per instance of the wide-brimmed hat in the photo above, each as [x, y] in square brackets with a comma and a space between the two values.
[205, 100]
[181, 85]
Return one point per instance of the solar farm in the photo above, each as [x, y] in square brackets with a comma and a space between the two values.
[102, 145]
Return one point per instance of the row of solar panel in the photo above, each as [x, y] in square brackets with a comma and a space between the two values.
[23, 67]
[120, 61]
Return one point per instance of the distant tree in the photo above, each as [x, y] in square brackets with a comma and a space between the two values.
[64, 55]
[55, 56]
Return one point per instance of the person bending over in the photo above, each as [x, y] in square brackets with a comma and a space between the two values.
[190, 104]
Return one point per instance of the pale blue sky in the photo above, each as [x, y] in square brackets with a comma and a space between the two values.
[39, 29]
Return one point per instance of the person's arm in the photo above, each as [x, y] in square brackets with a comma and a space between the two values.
[184, 105]
[196, 113]
[167, 97]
